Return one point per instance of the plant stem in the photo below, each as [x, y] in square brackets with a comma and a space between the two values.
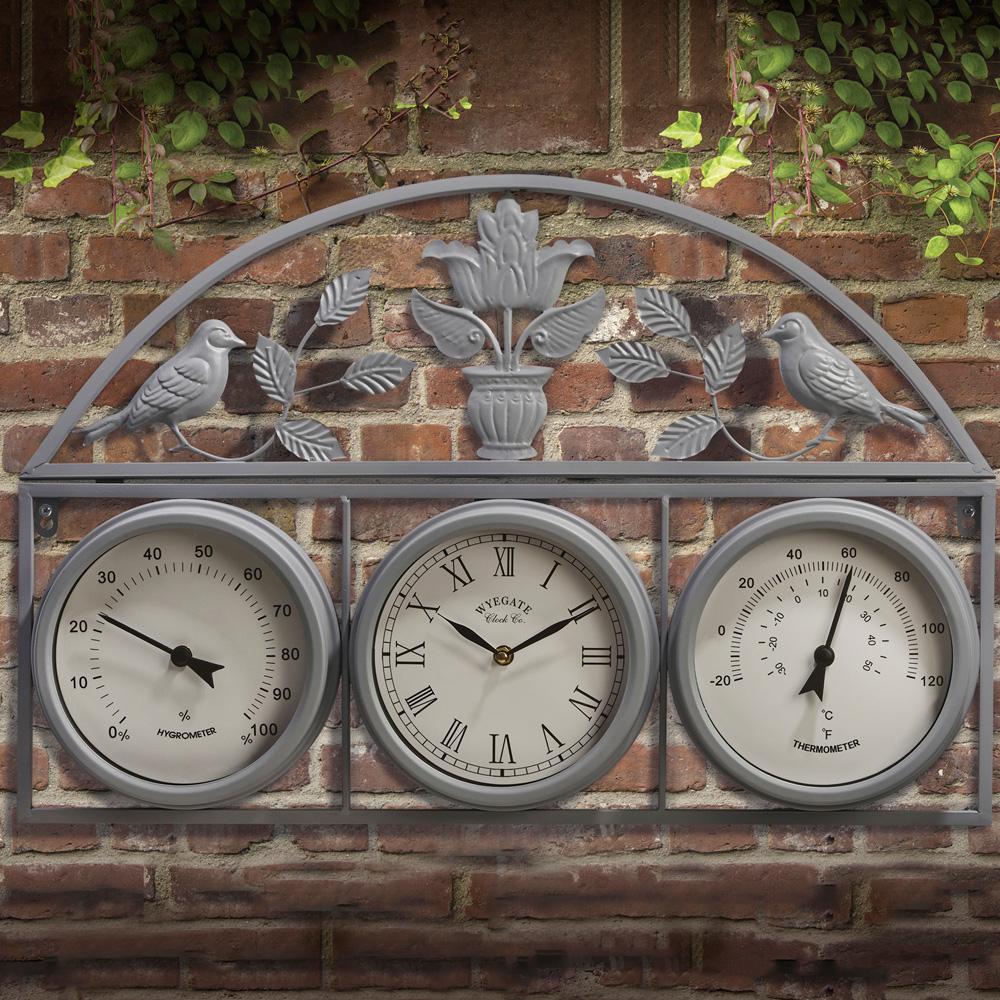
[509, 364]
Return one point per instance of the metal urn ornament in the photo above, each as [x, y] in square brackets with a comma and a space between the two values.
[193, 380]
[507, 271]
[815, 373]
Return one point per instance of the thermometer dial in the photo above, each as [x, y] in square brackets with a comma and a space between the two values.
[824, 652]
[183, 653]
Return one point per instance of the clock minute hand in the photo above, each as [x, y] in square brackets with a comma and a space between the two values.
[552, 629]
[467, 633]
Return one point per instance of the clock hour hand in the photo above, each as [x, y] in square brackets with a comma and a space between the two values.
[467, 633]
[180, 656]
[553, 628]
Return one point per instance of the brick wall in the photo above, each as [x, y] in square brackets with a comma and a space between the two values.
[576, 88]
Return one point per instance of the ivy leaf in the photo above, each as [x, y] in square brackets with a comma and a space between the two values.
[818, 60]
[158, 91]
[901, 41]
[830, 32]
[245, 108]
[281, 135]
[853, 94]
[130, 170]
[952, 230]
[202, 94]
[687, 436]
[197, 193]
[231, 65]
[310, 440]
[969, 261]
[232, 134]
[137, 46]
[675, 167]
[786, 170]
[901, 106]
[686, 130]
[17, 167]
[28, 131]
[279, 69]
[920, 11]
[938, 134]
[557, 332]
[274, 370]
[634, 362]
[221, 192]
[974, 66]
[988, 36]
[845, 130]
[729, 159]
[888, 66]
[961, 208]
[378, 372]
[936, 246]
[889, 133]
[864, 59]
[258, 25]
[187, 130]
[774, 60]
[162, 240]
[784, 24]
[343, 297]
[663, 313]
[67, 162]
[724, 359]
[959, 90]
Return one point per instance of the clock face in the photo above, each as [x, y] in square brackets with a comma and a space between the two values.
[500, 652]
[822, 656]
[181, 655]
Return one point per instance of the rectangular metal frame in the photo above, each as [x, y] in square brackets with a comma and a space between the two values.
[417, 481]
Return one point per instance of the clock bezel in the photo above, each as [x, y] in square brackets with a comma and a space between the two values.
[619, 578]
[322, 672]
[861, 519]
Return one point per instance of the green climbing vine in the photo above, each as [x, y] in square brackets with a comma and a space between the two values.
[158, 81]
[849, 84]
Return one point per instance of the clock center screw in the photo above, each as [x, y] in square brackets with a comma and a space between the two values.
[180, 656]
[503, 656]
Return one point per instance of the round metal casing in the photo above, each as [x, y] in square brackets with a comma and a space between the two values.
[287, 559]
[619, 578]
[858, 519]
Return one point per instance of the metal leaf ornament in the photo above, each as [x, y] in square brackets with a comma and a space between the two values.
[377, 372]
[310, 440]
[556, 333]
[634, 362]
[274, 369]
[663, 313]
[687, 436]
[457, 333]
[343, 297]
[724, 359]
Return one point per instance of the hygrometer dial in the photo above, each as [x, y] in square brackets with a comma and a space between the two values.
[185, 653]
[824, 653]
[504, 654]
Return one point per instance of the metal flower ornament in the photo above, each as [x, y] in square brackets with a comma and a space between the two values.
[193, 380]
[816, 374]
[504, 272]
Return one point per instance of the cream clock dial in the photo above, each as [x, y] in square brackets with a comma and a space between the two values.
[504, 654]
[185, 653]
[824, 653]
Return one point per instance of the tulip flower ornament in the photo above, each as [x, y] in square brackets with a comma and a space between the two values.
[507, 271]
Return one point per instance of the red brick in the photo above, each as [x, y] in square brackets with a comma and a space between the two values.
[954, 773]
[371, 771]
[74, 891]
[829, 321]
[39, 257]
[867, 256]
[712, 839]
[246, 190]
[595, 443]
[739, 194]
[395, 261]
[8, 769]
[444, 209]
[818, 840]
[137, 306]
[929, 319]
[248, 317]
[746, 961]
[685, 769]
[784, 438]
[405, 443]
[541, 202]
[81, 195]
[904, 896]
[53, 838]
[376, 520]
[991, 319]
[617, 260]
[228, 839]
[989, 269]
[892, 442]
[6, 195]
[143, 837]
[401, 331]
[68, 321]
[578, 386]
[43, 385]
[986, 434]
[331, 188]
[469, 840]
[970, 382]
[70, 775]
[892, 838]
[355, 331]
[624, 177]
[323, 839]
[635, 772]
[20, 441]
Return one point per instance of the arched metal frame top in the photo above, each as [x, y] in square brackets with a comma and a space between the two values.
[611, 194]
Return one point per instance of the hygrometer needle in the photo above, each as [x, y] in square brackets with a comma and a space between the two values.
[136, 633]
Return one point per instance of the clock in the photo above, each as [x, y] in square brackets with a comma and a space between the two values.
[504, 654]
[824, 653]
[185, 653]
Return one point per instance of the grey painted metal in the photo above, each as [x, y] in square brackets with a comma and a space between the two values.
[853, 518]
[407, 194]
[310, 594]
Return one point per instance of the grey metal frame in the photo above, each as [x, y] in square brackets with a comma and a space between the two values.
[970, 480]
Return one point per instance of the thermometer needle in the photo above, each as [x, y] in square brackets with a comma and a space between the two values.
[180, 656]
[823, 655]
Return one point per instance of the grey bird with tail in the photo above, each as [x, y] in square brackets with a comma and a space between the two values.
[186, 386]
[828, 382]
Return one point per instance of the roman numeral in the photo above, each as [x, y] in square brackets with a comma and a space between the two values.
[545, 582]
[411, 656]
[584, 702]
[421, 699]
[459, 572]
[502, 754]
[588, 607]
[550, 738]
[456, 733]
[595, 656]
[427, 610]
[505, 560]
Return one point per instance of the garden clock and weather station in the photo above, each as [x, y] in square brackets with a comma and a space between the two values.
[505, 653]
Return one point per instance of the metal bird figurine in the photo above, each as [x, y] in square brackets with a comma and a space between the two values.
[186, 386]
[828, 382]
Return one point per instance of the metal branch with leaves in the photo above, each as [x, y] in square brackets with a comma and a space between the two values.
[274, 368]
[722, 362]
